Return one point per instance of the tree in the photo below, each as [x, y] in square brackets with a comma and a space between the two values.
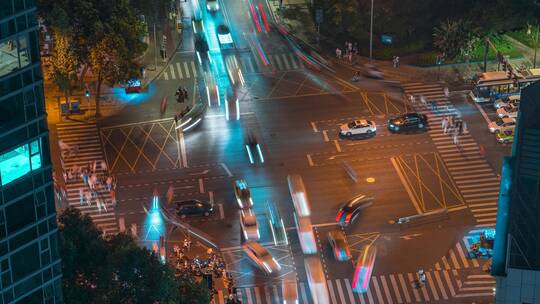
[452, 37]
[116, 270]
[63, 63]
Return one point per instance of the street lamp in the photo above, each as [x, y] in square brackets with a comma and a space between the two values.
[371, 33]
[535, 42]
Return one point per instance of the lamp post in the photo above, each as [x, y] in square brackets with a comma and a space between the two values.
[535, 42]
[371, 34]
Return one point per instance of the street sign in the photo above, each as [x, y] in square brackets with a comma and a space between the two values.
[319, 15]
[386, 39]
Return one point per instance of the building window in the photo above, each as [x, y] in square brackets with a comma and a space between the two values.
[14, 54]
[20, 161]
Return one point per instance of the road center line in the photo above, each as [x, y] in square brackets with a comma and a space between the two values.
[201, 185]
[226, 169]
[310, 161]
[183, 149]
[314, 127]
[221, 212]
[325, 136]
[338, 147]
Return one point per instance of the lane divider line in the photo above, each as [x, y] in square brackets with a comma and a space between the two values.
[310, 161]
[325, 136]
[226, 169]
[201, 185]
[314, 127]
[338, 147]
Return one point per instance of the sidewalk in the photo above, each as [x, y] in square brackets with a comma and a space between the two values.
[457, 76]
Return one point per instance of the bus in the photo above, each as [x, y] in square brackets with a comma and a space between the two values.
[299, 195]
[490, 86]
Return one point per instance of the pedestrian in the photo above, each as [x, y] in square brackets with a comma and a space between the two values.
[108, 181]
[337, 53]
[88, 197]
[464, 126]
[422, 276]
[104, 205]
[81, 196]
[103, 165]
[434, 105]
[446, 92]
[346, 45]
[397, 61]
[355, 48]
[98, 205]
[456, 140]
[113, 198]
[460, 127]
[94, 166]
[185, 93]
[350, 47]
[170, 194]
[444, 123]
[350, 57]
[481, 150]
[411, 97]
[394, 61]
[423, 100]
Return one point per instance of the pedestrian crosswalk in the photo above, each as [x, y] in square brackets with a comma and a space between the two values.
[189, 69]
[474, 177]
[440, 285]
[84, 138]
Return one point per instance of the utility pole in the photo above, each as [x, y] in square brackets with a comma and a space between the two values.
[535, 45]
[155, 47]
[371, 34]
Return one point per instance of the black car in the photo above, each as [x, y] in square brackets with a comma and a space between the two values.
[408, 122]
[202, 50]
[348, 213]
[193, 207]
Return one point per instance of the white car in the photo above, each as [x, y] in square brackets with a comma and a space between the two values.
[508, 111]
[261, 257]
[358, 127]
[504, 124]
[509, 100]
[248, 222]
[212, 5]
[242, 194]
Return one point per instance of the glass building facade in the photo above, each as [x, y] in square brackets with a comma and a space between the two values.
[30, 270]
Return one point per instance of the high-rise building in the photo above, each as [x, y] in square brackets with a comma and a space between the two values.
[516, 258]
[30, 270]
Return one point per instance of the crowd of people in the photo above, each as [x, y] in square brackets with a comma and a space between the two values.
[95, 180]
[210, 266]
[349, 50]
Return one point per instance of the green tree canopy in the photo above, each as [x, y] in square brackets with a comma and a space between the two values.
[116, 270]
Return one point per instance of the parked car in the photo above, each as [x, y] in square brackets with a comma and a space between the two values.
[348, 213]
[242, 194]
[193, 207]
[505, 136]
[261, 257]
[508, 100]
[358, 127]
[508, 111]
[248, 223]
[408, 122]
[337, 241]
[506, 123]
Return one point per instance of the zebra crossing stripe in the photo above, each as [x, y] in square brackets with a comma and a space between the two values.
[441, 286]
[377, 289]
[303, 292]
[432, 285]
[332, 294]
[186, 69]
[276, 295]
[340, 292]
[449, 283]
[386, 290]
[349, 291]
[267, 294]
[194, 69]
[285, 61]
[248, 296]
[257, 295]
[165, 75]
[370, 297]
[179, 69]
[278, 61]
[293, 61]
[415, 290]
[171, 68]
[396, 288]
[454, 259]
[404, 288]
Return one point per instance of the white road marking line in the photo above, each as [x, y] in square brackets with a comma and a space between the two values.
[396, 288]
[404, 288]
[310, 161]
[276, 294]
[183, 150]
[441, 286]
[257, 295]
[221, 212]
[386, 290]
[377, 289]
[285, 61]
[454, 259]
[325, 136]
[415, 291]
[340, 292]
[449, 283]
[248, 295]
[201, 185]
[179, 70]
[267, 293]
[165, 75]
[349, 291]
[406, 185]
[226, 169]
[324, 225]
[186, 69]
[338, 147]
[173, 76]
[211, 196]
[314, 127]
[194, 69]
